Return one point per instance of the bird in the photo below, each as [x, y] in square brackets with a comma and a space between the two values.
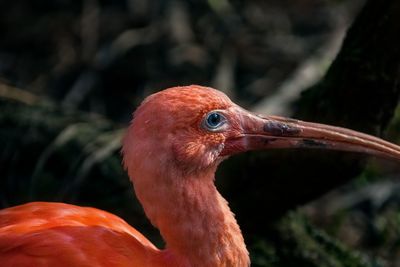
[171, 150]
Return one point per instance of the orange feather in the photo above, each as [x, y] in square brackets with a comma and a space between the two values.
[57, 234]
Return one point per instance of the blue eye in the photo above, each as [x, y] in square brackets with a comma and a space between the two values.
[214, 120]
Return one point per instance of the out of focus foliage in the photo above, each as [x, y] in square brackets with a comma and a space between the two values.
[105, 56]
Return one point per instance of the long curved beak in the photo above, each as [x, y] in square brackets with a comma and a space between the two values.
[263, 132]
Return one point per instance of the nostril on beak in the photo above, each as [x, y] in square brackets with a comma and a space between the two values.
[280, 129]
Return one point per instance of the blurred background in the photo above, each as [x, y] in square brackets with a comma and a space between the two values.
[72, 72]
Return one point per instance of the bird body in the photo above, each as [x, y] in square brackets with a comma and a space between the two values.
[57, 234]
[171, 151]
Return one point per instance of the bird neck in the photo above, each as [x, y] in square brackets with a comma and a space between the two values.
[194, 220]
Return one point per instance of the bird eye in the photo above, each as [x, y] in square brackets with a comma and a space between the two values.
[214, 120]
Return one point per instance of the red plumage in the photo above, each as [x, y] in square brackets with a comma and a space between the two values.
[56, 234]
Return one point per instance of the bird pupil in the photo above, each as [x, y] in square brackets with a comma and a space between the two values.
[214, 119]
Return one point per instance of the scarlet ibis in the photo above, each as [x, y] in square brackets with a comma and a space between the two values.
[171, 151]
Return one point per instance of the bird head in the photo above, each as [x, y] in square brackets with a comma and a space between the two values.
[193, 128]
